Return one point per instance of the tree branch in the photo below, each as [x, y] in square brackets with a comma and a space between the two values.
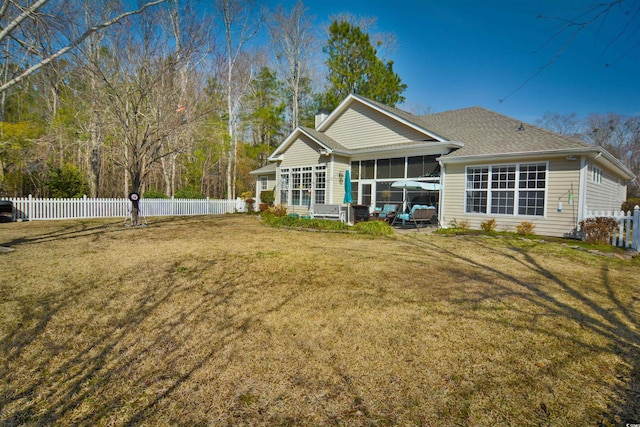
[73, 44]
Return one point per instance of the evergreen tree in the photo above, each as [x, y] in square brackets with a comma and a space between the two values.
[266, 115]
[354, 67]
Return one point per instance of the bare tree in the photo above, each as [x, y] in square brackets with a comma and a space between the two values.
[618, 134]
[240, 25]
[564, 124]
[292, 37]
[143, 97]
[24, 23]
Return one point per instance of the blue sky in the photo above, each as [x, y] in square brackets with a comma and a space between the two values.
[461, 53]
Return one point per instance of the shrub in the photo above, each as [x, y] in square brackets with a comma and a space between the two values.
[488, 225]
[374, 228]
[67, 181]
[154, 194]
[598, 230]
[463, 224]
[629, 204]
[295, 221]
[525, 228]
[280, 210]
[188, 193]
[267, 197]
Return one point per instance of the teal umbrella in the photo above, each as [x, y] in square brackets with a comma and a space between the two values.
[347, 188]
[348, 199]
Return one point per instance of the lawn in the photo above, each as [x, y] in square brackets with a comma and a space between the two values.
[225, 321]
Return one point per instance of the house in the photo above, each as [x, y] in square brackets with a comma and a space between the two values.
[489, 166]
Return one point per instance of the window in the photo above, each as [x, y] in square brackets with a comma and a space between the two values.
[355, 170]
[390, 168]
[477, 184]
[284, 186]
[421, 166]
[264, 183]
[596, 174]
[301, 186]
[320, 184]
[298, 184]
[503, 184]
[367, 168]
[506, 189]
[533, 180]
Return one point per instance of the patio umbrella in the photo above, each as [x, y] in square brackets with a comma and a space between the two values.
[348, 199]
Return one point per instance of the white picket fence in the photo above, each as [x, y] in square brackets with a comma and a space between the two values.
[31, 208]
[627, 235]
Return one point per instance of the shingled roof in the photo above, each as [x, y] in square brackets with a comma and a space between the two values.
[486, 132]
[324, 139]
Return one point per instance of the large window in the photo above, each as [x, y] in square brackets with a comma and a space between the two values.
[300, 185]
[506, 189]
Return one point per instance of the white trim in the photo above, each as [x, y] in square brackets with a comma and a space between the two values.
[276, 155]
[516, 190]
[582, 191]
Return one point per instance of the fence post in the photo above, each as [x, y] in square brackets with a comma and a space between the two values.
[636, 229]
[30, 210]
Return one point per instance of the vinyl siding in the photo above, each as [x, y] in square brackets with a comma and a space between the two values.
[360, 126]
[561, 176]
[607, 195]
[271, 183]
[302, 152]
[341, 164]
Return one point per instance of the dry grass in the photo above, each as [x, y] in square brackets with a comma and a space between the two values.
[223, 321]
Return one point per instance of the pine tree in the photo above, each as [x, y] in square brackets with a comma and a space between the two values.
[354, 67]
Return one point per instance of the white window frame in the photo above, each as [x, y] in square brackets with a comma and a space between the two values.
[264, 183]
[302, 184]
[491, 187]
[596, 174]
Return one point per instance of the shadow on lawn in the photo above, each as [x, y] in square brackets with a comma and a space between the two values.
[81, 228]
[65, 379]
[618, 325]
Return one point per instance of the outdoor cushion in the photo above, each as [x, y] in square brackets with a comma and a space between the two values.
[407, 216]
[387, 209]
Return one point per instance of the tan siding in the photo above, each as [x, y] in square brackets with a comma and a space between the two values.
[607, 195]
[302, 152]
[341, 164]
[561, 176]
[271, 183]
[360, 126]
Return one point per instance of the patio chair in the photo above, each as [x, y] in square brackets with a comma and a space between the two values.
[419, 214]
[388, 212]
